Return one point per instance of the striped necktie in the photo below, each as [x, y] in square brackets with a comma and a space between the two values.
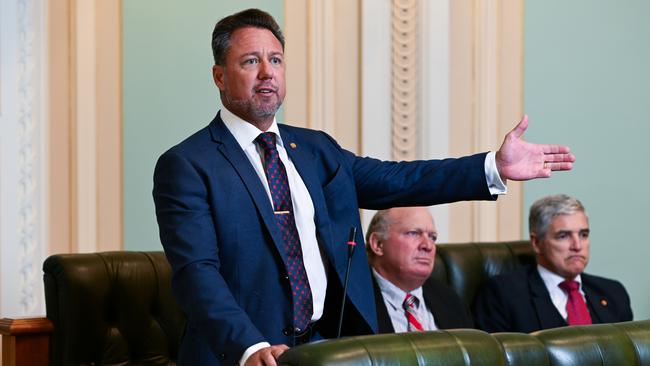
[409, 304]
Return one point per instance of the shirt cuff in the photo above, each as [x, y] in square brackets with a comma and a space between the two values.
[252, 349]
[494, 182]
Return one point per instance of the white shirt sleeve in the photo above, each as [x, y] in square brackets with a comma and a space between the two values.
[252, 349]
[495, 184]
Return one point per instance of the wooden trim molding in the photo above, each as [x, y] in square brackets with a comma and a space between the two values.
[323, 67]
[84, 89]
[25, 342]
[486, 92]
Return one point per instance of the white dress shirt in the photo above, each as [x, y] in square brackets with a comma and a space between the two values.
[558, 296]
[394, 298]
[245, 133]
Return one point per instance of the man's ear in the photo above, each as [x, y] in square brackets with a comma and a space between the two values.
[217, 76]
[536, 243]
[375, 244]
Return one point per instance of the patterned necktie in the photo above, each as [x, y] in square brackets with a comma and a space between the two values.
[409, 309]
[276, 176]
[576, 308]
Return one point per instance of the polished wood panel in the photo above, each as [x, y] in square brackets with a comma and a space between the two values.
[25, 342]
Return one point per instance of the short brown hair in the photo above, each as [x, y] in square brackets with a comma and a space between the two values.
[224, 29]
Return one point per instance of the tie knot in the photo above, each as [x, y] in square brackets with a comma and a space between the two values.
[266, 140]
[410, 302]
[569, 285]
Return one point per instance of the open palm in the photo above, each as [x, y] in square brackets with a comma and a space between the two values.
[521, 160]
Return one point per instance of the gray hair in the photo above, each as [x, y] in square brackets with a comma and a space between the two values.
[378, 225]
[544, 210]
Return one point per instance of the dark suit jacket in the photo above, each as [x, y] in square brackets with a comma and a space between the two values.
[447, 309]
[519, 302]
[217, 228]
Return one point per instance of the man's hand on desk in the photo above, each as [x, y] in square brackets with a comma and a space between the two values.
[266, 356]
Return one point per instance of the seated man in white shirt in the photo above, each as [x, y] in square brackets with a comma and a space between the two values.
[401, 246]
[556, 292]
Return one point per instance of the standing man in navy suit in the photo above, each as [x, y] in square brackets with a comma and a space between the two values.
[541, 296]
[254, 215]
[401, 246]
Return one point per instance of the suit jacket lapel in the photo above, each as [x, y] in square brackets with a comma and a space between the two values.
[384, 322]
[547, 314]
[306, 163]
[230, 149]
[597, 303]
[303, 159]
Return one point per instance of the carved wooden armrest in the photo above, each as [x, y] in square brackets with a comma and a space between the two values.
[25, 342]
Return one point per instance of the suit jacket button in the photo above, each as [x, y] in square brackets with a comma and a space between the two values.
[287, 331]
[222, 356]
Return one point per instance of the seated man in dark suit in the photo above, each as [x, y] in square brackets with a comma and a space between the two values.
[556, 292]
[401, 246]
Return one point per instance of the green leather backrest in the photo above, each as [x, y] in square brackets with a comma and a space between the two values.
[112, 308]
[622, 344]
[466, 266]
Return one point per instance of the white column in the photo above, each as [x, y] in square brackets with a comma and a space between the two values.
[22, 167]
[434, 93]
[375, 84]
[432, 89]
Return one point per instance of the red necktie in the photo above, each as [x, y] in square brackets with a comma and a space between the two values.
[576, 308]
[276, 176]
[409, 309]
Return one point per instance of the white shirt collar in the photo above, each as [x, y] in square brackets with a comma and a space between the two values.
[244, 132]
[552, 280]
[393, 294]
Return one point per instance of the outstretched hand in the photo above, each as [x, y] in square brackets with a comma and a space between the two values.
[521, 160]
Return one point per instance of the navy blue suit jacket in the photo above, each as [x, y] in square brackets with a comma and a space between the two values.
[519, 302]
[217, 228]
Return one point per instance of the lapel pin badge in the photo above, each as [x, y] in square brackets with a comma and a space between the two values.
[293, 145]
[603, 302]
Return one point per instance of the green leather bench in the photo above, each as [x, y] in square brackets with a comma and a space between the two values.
[117, 308]
[465, 267]
[621, 344]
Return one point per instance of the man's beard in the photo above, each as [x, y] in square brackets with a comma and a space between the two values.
[251, 109]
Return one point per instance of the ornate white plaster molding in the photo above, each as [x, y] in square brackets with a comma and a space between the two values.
[29, 158]
[21, 164]
[405, 78]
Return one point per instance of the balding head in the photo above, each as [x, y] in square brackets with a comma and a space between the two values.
[401, 245]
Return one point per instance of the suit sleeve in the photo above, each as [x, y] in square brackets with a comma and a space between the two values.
[384, 184]
[189, 238]
[490, 312]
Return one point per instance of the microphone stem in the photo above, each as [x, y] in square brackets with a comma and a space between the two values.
[345, 291]
[351, 245]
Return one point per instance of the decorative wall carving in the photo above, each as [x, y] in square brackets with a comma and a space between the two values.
[405, 78]
[28, 210]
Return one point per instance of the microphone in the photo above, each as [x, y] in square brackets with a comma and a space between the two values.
[351, 245]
